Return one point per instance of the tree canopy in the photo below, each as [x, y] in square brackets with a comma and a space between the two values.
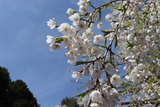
[14, 93]
[69, 102]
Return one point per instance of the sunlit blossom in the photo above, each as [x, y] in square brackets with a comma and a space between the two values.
[51, 23]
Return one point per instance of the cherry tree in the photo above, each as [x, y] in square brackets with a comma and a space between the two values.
[122, 63]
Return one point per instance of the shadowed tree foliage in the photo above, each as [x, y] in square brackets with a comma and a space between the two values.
[5, 99]
[14, 93]
[70, 102]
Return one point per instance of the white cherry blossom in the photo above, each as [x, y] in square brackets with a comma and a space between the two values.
[67, 40]
[116, 80]
[74, 18]
[51, 23]
[88, 34]
[83, 9]
[77, 75]
[100, 25]
[82, 3]
[109, 17]
[81, 26]
[64, 28]
[72, 56]
[96, 73]
[95, 50]
[85, 70]
[70, 11]
[50, 39]
[98, 39]
[95, 105]
[90, 84]
[87, 43]
[55, 46]
[96, 96]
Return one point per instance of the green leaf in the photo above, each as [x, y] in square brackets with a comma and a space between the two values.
[105, 43]
[89, 24]
[151, 80]
[99, 15]
[71, 12]
[106, 32]
[158, 83]
[127, 73]
[139, 17]
[129, 44]
[114, 21]
[116, 42]
[125, 84]
[110, 61]
[145, 13]
[97, 11]
[81, 62]
[81, 95]
[59, 40]
[139, 27]
[106, 6]
[157, 56]
[128, 24]
[120, 8]
[101, 46]
[90, 4]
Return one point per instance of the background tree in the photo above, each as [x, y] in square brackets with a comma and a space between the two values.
[5, 98]
[21, 95]
[14, 93]
[69, 102]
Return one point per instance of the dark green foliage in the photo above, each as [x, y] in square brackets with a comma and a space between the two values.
[70, 102]
[22, 95]
[14, 93]
[5, 80]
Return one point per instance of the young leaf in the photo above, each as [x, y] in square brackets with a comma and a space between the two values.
[151, 80]
[116, 42]
[105, 43]
[139, 27]
[99, 15]
[129, 44]
[110, 61]
[101, 46]
[81, 95]
[120, 8]
[81, 62]
[128, 24]
[59, 40]
[139, 17]
[114, 21]
[106, 32]
[89, 24]
[105, 6]
[158, 84]
[90, 4]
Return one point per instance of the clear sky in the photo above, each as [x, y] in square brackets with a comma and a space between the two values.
[25, 53]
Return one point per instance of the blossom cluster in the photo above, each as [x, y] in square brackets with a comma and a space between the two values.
[132, 42]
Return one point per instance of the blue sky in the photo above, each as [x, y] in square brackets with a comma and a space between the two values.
[25, 53]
